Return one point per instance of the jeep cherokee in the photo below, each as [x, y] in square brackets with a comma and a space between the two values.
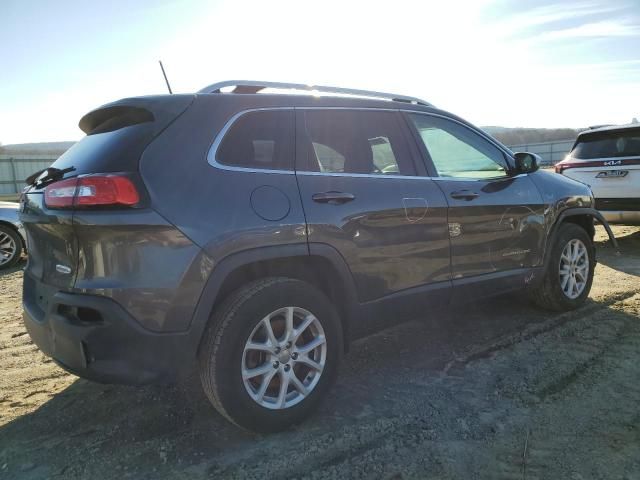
[253, 230]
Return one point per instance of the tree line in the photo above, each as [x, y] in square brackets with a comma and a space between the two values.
[519, 136]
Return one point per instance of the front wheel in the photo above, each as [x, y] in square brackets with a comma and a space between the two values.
[270, 353]
[569, 273]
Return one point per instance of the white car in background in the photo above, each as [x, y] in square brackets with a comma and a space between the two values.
[608, 160]
[12, 237]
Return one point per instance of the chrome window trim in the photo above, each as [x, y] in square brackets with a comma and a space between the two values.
[363, 175]
[473, 179]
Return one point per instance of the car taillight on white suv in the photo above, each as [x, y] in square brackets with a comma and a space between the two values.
[559, 167]
[92, 191]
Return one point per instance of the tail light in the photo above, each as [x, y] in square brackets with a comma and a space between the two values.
[92, 191]
[564, 164]
[60, 194]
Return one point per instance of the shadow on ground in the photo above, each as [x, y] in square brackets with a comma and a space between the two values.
[16, 268]
[629, 243]
[107, 431]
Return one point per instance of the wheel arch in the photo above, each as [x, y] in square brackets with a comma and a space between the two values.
[584, 221]
[583, 217]
[318, 264]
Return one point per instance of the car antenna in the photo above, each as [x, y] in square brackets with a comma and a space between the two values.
[165, 76]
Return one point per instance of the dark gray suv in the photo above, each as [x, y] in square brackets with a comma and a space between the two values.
[254, 235]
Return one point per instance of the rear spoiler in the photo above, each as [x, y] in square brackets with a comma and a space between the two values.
[113, 118]
[161, 109]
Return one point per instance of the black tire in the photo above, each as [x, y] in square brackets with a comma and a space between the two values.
[17, 242]
[221, 352]
[549, 294]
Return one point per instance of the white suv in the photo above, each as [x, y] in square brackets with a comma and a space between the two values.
[608, 160]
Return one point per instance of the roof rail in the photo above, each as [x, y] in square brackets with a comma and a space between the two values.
[249, 86]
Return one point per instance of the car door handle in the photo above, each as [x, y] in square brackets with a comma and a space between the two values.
[464, 195]
[333, 198]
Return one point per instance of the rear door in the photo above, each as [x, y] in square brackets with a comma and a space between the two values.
[495, 220]
[357, 176]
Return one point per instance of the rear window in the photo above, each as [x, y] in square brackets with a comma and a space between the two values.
[118, 134]
[608, 145]
[260, 140]
[113, 151]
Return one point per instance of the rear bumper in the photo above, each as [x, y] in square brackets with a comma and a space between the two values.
[619, 210]
[629, 217]
[95, 338]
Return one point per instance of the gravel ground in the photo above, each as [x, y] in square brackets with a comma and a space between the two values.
[497, 390]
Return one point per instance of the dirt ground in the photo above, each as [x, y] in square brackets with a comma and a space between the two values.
[498, 390]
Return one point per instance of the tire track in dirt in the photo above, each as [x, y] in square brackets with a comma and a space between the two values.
[352, 448]
[601, 338]
[596, 396]
[18, 349]
[486, 350]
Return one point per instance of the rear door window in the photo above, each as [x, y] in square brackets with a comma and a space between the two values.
[608, 145]
[355, 141]
[260, 140]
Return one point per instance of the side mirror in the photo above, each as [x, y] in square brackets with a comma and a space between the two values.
[527, 162]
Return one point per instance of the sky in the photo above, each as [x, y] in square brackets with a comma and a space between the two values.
[514, 63]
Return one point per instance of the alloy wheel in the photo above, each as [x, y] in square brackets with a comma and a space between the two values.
[283, 358]
[574, 268]
[8, 248]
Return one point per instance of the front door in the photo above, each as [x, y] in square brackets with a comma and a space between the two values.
[356, 170]
[495, 219]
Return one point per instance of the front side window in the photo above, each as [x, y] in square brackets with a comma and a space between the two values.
[355, 141]
[608, 145]
[260, 140]
[456, 151]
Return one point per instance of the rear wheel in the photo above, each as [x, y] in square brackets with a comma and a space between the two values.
[569, 273]
[271, 353]
[10, 247]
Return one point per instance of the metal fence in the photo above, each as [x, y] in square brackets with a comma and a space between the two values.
[551, 152]
[15, 168]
